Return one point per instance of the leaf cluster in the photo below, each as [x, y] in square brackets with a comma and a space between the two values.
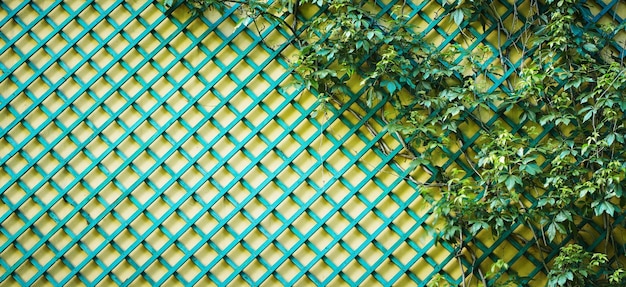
[575, 267]
[544, 150]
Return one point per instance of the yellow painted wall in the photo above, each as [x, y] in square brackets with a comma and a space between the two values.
[140, 148]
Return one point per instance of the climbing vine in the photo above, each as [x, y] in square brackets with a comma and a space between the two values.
[525, 136]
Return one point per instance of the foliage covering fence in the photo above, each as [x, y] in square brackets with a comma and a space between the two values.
[154, 146]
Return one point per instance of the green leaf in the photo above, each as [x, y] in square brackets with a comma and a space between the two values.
[243, 22]
[457, 16]
[610, 138]
[590, 47]
[532, 169]
[390, 85]
[476, 227]
[588, 115]
[587, 190]
[511, 180]
[414, 164]
[604, 207]
[551, 232]
[547, 118]
[544, 201]
[564, 121]
[562, 216]
[453, 111]
[370, 96]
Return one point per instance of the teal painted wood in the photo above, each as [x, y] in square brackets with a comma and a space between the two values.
[79, 205]
[34, 164]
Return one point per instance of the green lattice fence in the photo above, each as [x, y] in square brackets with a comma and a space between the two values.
[144, 148]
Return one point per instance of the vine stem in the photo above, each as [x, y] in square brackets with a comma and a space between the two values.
[480, 272]
[319, 148]
[410, 155]
[612, 82]
[458, 258]
[537, 242]
[501, 53]
[282, 21]
[384, 148]
[471, 164]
